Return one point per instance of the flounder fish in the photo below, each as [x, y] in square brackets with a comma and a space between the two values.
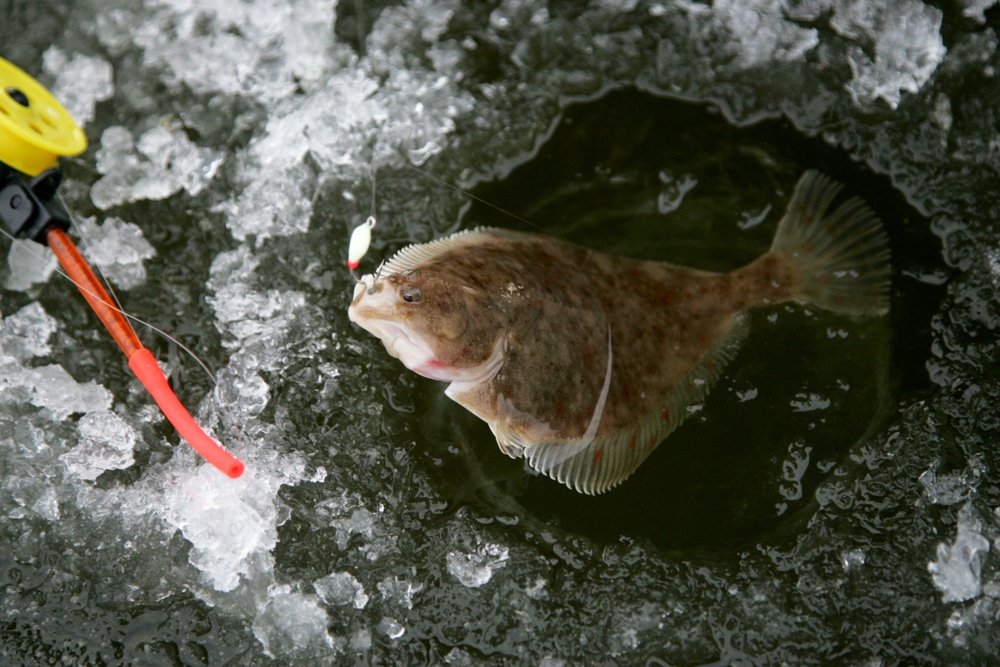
[582, 362]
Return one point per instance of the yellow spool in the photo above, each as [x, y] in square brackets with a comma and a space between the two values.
[34, 128]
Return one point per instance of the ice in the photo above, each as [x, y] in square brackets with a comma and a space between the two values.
[957, 572]
[899, 45]
[476, 569]
[974, 9]
[763, 36]
[81, 82]
[54, 390]
[33, 496]
[118, 248]
[241, 310]
[106, 443]
[161, 163]
[341, 588]
[230, 523]
[263, 49]
[28, 264]
[951, 488]
[25, 333]
[293, 624]
[398, 590]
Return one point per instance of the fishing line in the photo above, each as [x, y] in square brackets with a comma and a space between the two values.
[495, 207]
[83, 288]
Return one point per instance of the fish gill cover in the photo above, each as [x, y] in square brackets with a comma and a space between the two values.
[231, 151]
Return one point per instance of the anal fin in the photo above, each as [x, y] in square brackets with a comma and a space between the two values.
[600, 464]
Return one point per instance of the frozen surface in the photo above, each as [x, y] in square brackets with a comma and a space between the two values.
[233, 148]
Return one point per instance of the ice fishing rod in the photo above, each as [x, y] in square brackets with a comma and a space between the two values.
[35, 130]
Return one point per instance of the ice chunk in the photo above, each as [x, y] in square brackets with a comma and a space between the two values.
[400, 590]
[29, 264]
[763, 35]
[341, 588]
[958, 569]
[263, 49]
[476, 569]
[118, 248]
[951, 488]
[230, 522]
[900, 47]
[392, 628]
[975, 9]
[161, 163]
[292, 624]
[25, 334]
[80, 83]
[34, 495]
[53, 389]
[106, 443]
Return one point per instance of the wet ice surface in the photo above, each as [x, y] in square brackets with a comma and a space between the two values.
[231, 152]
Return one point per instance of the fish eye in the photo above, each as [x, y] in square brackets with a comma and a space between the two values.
[411, 294]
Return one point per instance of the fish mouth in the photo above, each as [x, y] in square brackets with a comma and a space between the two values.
[401, 343]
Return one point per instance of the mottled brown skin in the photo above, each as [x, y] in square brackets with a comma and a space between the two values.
[553, 303]
[582, 362]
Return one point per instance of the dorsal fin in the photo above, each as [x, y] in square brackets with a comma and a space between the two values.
[601, 464]
[412, 256]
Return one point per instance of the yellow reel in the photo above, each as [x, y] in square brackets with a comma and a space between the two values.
[34, 128]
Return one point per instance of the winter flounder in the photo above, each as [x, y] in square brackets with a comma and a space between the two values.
[582, 362]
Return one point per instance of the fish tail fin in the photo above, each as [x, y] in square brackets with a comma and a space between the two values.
[841, 258]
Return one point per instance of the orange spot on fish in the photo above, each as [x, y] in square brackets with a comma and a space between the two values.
[666, 298]
[559, 408]
[597, 455]
[631, 442]
[665, 414]
[628, 392]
